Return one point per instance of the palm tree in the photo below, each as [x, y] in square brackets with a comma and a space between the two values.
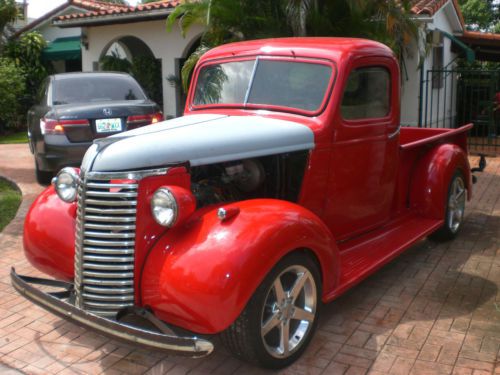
[226, 21]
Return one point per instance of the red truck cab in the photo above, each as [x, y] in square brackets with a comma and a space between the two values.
[288, 180]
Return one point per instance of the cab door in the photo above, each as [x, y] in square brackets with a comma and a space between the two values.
[365, 152]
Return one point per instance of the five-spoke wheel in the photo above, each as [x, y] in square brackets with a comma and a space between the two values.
[456, 204]
[289, 311]
[279, 320]
[455, 208]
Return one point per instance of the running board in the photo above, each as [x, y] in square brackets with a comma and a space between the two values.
[362, 256]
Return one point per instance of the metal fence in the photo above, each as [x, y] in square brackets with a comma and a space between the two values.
[451, 98]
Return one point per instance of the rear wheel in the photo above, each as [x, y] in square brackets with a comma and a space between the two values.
[455, 209]
[279, 320]
[42, 177]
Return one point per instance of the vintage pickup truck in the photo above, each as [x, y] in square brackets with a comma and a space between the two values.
[288, 181]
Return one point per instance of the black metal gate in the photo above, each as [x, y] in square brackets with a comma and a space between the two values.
[451, 98]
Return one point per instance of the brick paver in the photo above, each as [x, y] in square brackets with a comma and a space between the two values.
[434, 310]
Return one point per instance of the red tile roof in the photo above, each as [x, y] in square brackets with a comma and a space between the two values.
[429, 7]
[96, 5]
[122, 9]
[478, 35]
[88, 5]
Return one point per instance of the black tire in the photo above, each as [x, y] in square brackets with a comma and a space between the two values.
[31, 145]
[455, 208]
[42, 177]
[245, 337]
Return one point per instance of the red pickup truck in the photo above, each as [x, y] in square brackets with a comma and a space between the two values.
[288, 181]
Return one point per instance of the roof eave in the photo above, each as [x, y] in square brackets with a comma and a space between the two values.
[108, 19]
[454, 17]
[423, 18]
[40, 20]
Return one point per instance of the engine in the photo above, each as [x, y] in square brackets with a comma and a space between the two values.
[278, 176]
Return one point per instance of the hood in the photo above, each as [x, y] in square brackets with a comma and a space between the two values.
[200, 140]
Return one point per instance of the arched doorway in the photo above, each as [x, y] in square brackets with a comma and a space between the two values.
[132, 55]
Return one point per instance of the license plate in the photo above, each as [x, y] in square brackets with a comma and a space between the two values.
[108, 125]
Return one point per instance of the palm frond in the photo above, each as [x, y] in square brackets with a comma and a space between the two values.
[189, 65]
[188, 14]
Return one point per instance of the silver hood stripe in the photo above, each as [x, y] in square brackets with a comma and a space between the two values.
[200, 140]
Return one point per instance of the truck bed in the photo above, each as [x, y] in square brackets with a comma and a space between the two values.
[411, 137]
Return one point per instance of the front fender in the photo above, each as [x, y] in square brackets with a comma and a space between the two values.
[201, 276]
[432, 176]
[49, 235]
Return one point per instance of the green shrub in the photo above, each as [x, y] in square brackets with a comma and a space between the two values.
[113, 63]
[12, 85]
[27, 54]
[147, 71]
[10, 199]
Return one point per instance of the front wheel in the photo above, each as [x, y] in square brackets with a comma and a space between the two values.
[279, 320]
[455, 209]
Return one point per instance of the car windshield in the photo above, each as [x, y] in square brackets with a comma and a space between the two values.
[85, 89]
[292, 84]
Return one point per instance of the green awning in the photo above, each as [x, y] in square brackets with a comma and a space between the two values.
[63, 49]
[470, 55]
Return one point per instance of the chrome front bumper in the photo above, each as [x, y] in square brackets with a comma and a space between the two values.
[54, 302]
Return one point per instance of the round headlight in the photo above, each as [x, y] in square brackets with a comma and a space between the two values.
[66, 184]
[164, 207]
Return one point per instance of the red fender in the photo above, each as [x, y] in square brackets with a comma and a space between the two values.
[49, 235]
[200, 276]
[432, 176]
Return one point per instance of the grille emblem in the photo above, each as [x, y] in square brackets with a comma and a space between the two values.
[107, 111]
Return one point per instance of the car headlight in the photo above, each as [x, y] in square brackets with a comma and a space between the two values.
[66, 184]
[164, 207]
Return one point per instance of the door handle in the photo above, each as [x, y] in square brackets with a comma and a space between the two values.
[392, 135]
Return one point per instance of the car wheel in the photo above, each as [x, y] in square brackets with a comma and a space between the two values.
[455, 209]
[279, 320]
[42, 177]
[30, 144]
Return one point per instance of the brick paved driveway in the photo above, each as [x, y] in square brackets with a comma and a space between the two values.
[435, 310]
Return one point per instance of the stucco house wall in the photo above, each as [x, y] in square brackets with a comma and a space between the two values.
[445, 19]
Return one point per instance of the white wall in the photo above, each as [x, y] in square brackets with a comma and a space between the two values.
[443, 106]
[411, 86]
[410, 79]
[165, 46]
[51, 33]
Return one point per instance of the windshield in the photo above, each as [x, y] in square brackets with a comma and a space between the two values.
[300, 85]
[85, 89]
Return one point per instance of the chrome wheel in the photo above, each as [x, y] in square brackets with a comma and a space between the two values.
[456, 204]
[289, 311]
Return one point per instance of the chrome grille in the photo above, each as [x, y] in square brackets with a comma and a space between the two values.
[105, 240]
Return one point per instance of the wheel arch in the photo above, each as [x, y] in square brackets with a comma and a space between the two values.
[431, 178]
[191, 275]
[312, 255]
